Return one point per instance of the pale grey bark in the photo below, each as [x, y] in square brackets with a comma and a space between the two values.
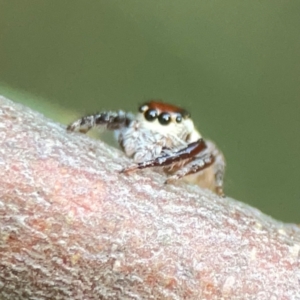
[72, 227]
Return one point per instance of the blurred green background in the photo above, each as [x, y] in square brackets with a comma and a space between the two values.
[234, 64]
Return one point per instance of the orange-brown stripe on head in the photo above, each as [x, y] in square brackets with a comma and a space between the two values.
[164, 107]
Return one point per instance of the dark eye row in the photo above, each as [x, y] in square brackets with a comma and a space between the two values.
[164, 118]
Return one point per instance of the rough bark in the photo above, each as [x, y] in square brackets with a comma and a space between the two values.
[72, 227]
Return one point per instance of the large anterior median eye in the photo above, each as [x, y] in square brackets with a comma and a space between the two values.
[150, 114]
[164, 118]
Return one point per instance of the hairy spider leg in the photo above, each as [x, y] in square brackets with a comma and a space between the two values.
[200, 163]
[110, 120]
[219, 170]
[196, 165]
[167, 159]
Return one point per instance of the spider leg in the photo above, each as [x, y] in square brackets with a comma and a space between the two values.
[169, 158]
[109, 120]
[198, 164]
[219, 170]
[213, 158]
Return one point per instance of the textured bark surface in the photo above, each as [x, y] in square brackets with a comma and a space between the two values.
[72, 227]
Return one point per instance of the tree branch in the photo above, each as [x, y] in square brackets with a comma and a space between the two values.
[72, 227]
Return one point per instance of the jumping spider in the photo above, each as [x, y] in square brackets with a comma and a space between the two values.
[162, 135]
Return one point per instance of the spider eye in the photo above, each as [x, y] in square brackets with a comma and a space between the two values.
[179, 118]
[142, 108]
[150, 115]
[164, 118]
[185, 114]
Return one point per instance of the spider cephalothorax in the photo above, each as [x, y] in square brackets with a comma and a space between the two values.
[162, 135]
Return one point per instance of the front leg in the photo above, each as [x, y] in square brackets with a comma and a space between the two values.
[196, 165]
[108, 119]
[169, 158]
[206, 169]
